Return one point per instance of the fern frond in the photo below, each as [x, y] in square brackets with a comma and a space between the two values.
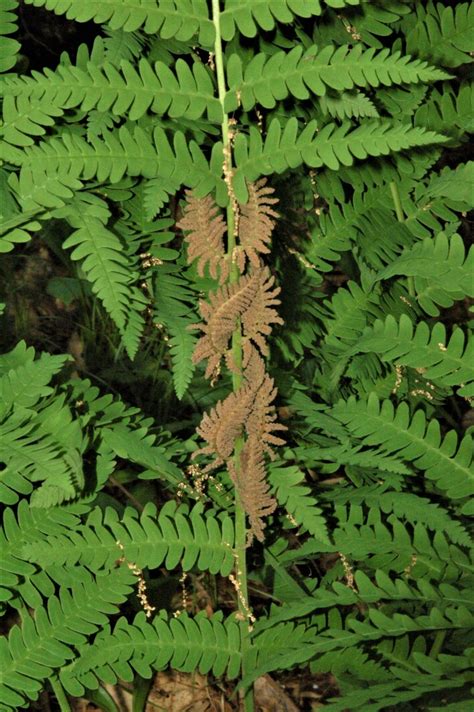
[448, 110]
[206, 229]
[171, 537]
[256, 223]
[298, 500]
[455, 184]
[250, 480]
[268, 79]
[44, 642]
[29, 524]
[247, 16]
[251, 299]
[181, 19]
[347, 104]
[124, 91]
[9, 47]
[429, 352]
[413, 439]
[186, 643]
[331, 146]
[408, 506]
[23, 380]
[441, 269]
[105, 263]
[174, 305]
[109, 158]
[442, 34]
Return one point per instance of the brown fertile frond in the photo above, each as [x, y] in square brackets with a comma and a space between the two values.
[221, 315]
[226, 422]
[258, 317]
[256, 224]
[221, 427]
[205, 239]
[253, 490]
[261, 419]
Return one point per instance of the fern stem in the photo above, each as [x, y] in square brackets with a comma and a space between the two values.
[401, 218]
[396, 201]
[437, 644]
[60, 695]
[240, 517]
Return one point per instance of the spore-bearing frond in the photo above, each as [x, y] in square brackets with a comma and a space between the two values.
[251, 300]
[256, 223]
[247, 412]
[221, 315]
[205, 237]
[257, 319]
[253, 489]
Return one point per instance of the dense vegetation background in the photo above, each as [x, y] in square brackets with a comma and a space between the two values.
[125, 577]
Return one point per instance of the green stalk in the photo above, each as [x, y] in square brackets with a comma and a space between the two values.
[401, 218]
[60, 695]
[437, 644]
[240, 519]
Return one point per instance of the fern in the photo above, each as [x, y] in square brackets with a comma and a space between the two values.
[442, 34]
[175, 537]
[295, 172]
[266, 80]
[181, 21]
[448, 363]
[185, 642]
[9, 47]
[441, 271]
[394, 432]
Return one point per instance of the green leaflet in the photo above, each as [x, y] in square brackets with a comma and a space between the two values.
[31, 103]
[443, 460]
[185, 642]
[268, 80]
[9, 47]
[175, 536]
[172, 19]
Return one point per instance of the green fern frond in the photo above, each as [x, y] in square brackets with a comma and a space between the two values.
[347, 104]
[181, 19]
[187, 92]
[20, 579]
[171, 537]
[174, 309]
[441, 269]
[9, 47]
[266, 80]
[103, 260]
[412, 439]
[297, 500]
[455, 184]
[184, 642]
[448, 110]
[24, 380]
[331, 146]
[44, 643]
[136, 446]
[246, 16]
[437, 359]
[67, 159]
[443, 34]
[408, 506]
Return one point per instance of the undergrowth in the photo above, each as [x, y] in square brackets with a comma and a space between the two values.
[235, 349]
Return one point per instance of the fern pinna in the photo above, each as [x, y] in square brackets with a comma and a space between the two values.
[260, 208]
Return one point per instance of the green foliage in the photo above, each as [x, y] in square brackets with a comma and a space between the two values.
[358, 113]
